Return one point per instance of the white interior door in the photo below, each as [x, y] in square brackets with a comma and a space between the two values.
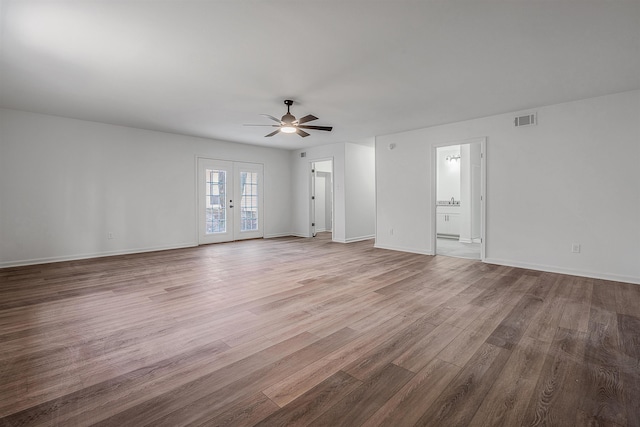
[230, 201]
[321, 189]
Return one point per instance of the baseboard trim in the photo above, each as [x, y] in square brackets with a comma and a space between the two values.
[403, 249]
[568, 271]
[34, 261]
[272, 236]
[304, 236]
[359, 239]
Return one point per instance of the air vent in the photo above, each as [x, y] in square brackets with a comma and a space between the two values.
[528, 120]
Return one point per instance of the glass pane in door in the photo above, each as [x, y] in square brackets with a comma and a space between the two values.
[216, 187]
[248, 201]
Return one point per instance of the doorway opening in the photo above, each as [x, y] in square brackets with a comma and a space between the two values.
[459, 205]
[321, 210]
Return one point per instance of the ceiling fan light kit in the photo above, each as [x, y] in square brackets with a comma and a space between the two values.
[289, 123]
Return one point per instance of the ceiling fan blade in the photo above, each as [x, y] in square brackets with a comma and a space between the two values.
[307, 118]
[272, 133]
[271, 117]
[275, 126]
[301, 132]
[328, 128]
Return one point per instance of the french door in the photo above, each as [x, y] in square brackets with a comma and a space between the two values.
[230, 201]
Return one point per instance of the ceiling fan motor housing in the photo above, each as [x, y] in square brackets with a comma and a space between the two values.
[288, 118]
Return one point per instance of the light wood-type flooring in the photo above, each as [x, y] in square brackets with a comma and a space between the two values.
[291, 331]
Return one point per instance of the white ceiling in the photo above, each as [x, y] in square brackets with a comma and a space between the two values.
[368, 67]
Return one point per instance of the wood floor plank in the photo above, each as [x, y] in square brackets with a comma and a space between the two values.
[604, 377]
[293, 331]
[507, 400]
[415, 357]
[508, 333]
[213, 399]
[290, 388]
[557, 394]
[629, 364]
[544, 325]
[496, 292]
[576, 312]
[364, 401]
[307, 407]
[626, 296]
[411, 401]
[81, 405]
[465, 344]
[375, 360]
[165, 401]
[462, 397]
[246, 411]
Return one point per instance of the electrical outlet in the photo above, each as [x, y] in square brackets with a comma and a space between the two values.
[575, 248]
[110, 235]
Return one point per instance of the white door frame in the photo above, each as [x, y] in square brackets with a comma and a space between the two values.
[483, 189]
[312, 212]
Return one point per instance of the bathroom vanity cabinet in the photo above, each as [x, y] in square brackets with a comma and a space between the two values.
[448, 221]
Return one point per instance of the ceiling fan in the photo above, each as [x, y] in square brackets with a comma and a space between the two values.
[289, 124]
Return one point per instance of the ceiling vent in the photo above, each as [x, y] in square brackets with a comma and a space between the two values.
[528, 120]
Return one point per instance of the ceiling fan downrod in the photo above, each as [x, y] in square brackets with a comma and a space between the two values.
[288, 118]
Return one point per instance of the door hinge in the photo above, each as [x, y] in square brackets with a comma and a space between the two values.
[313, 170]
[313, 224]
[313, 197]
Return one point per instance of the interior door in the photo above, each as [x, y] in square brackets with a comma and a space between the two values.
[229, 201]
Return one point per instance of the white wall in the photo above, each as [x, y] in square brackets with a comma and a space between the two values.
[573, 178]
[360, 201]
[65, 184]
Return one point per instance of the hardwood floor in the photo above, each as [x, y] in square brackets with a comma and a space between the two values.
[292, 331]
